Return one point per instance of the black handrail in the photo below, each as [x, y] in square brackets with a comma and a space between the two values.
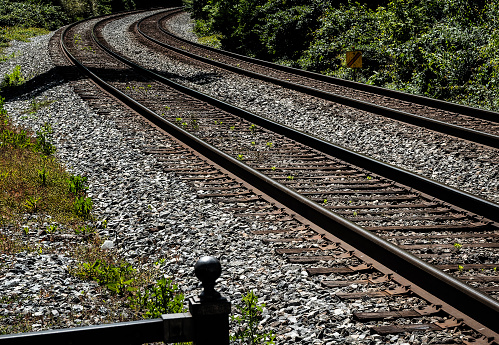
[206, 323]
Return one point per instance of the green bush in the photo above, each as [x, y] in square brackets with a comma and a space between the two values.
[447, 49]
[13, 79]
[31, 14]
[119, 278]
[160, 298]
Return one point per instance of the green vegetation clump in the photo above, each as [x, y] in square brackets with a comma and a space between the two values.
[12, 80]
[445, 49]
[33, 181]
[246, 321]
[148, 300]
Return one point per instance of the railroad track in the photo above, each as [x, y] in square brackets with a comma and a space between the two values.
[464, 122]
[263, 170]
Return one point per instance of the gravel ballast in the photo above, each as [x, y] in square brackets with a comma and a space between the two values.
[132, 192]
[457, 163]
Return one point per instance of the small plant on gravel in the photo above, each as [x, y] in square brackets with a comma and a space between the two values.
[240, 157]
[325, 202]
[460, 268]
[253, 129]
[51, 228]
[44, 140]
[232, 128]
[4, 58]
[273, 168]
[369, 178]
[82, 207]
[249, 314]
[160, 298]
[85, 230]
[12, 80]
[193, 122]
[77, 185]
[35, 105]
[290, 177]
[118, 278]
[269, 144]
[458, 246]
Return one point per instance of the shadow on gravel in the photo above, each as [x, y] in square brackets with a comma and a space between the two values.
[198, 78]
[59, 75]
[36, 85]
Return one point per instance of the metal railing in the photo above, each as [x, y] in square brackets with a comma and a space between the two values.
[206, 323]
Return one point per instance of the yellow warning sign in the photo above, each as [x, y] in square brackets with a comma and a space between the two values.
[354, 59]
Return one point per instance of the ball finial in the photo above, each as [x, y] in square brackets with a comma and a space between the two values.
[208, 269]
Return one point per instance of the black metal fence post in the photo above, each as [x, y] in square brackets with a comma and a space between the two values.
[210, 311]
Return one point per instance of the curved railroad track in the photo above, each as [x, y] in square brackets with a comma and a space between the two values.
[382, 226]
[464, 122]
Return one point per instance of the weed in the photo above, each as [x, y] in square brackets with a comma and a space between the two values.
[460, 268]
[82, 207]
[12, 80]
[369, 178]
[269, 144]
[273, 168]
[84, 230]
[354, 213]
[35, 105]
[232, 128]
[77, 185]
[167, 108]
[4, 58]
[290, 177]
[119, 278]
[253, 143]
[325, 202]
[77, 42]
[42, 176]
[44, 140]
[247, 330]
[51, 228]
[31, 204]
[240, 157]
[161, 298]
[458, 246]
[253, 129]
[14, 139]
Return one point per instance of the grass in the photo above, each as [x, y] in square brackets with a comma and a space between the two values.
[36, 193]
[32, 181]
[8, 34]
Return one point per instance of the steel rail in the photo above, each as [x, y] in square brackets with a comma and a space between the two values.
[428, 186]
[457, 294]
[418, 120]
[408, 97]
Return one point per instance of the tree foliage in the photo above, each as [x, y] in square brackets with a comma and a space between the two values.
[448, 49]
